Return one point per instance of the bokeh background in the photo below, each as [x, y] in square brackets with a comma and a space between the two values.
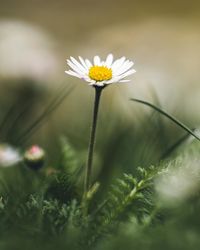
[161, 37]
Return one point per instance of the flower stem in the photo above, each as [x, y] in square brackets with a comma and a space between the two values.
[92, 140]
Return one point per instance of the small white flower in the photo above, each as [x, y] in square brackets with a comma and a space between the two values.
[9, 156]
[101, 73]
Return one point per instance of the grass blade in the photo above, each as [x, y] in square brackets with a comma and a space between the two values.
[172, 118]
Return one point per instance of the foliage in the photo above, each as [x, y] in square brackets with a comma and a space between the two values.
[46, 206]
[150, 207]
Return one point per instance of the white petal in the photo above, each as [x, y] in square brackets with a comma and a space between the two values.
[100, 84]
[88, 63]
[125, 81]
[91, 81]
[72, 73]
[103, 82]
[75, 67]
[110, 81]
[80, 66]
[118, 63]
[83, 77]
[83, 63]
[87, 80]
[126, 66]
[109, 60]
[97, 61]
[130, 72]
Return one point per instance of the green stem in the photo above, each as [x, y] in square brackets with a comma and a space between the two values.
[92, 140]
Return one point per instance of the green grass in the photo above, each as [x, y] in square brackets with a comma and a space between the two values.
[126, 209]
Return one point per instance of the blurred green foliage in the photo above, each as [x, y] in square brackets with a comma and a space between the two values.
[43, 209]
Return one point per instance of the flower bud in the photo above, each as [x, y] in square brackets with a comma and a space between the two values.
[34, 157]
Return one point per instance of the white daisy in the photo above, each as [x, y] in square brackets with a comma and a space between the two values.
[9, 156]
[101, 73]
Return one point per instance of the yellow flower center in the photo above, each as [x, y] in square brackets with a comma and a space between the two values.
[100, 73]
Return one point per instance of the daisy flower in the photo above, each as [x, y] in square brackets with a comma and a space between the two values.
[101, 73]
[98, 74]
[9, 156]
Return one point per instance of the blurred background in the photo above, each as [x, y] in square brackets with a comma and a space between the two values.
[36, 37]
